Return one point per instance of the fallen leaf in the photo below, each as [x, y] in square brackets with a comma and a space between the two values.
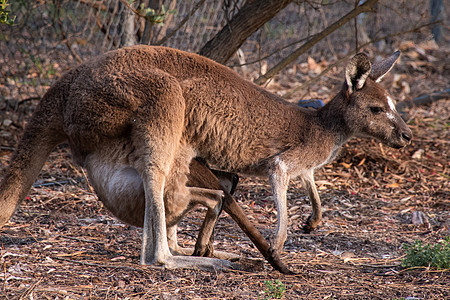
[418, 154]
[118, 258]
[346, 165]
[76, 253]
[392, 185]
[361, 162]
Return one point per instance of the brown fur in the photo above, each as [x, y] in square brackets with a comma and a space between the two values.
[145, 107]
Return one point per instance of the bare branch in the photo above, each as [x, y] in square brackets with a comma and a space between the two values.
[270, 54]
[356, 27]
[181, 24]
[136, 12]
[365, 7]
[250, 18]
[315, 79]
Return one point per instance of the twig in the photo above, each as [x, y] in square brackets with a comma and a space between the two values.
[28, 100]
[85, 263]
[80, 240]
[415, 268]
[32, 235]
[7, 148]
[181, 24]
[63, 34]
[378, 266]
[29, 290]
[136, 12]
[277, 51]
[87, 181]
[315, 79]
[59, 183]
[329, 42]
[356, 28]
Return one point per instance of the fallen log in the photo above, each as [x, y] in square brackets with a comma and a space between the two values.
[424, 99]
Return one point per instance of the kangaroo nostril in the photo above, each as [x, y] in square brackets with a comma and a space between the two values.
[406, 136]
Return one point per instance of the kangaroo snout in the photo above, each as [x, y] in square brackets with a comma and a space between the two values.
[407, 136]
[404, 138]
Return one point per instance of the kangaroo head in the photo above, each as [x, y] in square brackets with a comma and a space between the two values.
[370, 110]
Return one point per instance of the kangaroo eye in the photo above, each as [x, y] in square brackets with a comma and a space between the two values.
[376, 109]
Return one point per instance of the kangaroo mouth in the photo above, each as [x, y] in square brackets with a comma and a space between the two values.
[404, 140]
[397, 146]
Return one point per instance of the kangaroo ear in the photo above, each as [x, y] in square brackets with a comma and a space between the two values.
[357, 71]
[382, 68]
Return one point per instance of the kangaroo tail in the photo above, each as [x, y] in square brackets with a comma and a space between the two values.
[43, 132]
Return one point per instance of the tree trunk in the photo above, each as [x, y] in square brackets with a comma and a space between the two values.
[149, 29]
[248, 20]
[127, 26]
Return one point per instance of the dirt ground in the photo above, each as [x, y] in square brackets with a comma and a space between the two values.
[62, 244]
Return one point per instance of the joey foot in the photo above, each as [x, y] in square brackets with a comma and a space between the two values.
[273, 257]
[310, 224]
[208, 251]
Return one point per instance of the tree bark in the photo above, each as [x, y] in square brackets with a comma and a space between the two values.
[248, 20]
[127, 27]
[149, 29]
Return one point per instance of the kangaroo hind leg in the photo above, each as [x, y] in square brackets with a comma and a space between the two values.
[157, 137]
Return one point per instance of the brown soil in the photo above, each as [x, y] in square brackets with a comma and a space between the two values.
[61, 243]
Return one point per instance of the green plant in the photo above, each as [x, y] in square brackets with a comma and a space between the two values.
[150, 14]
[419, 255]
[4, 13]
[153, 16]
[274, 290]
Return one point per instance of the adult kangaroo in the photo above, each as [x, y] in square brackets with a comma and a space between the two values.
[141, 108]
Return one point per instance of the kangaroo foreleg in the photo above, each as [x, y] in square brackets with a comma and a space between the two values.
[279, 181]
[316, 215]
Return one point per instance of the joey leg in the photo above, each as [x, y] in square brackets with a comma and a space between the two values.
[212, 199]
[235, 211]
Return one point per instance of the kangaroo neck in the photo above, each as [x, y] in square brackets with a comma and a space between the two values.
[321, 133]
[331, 119]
